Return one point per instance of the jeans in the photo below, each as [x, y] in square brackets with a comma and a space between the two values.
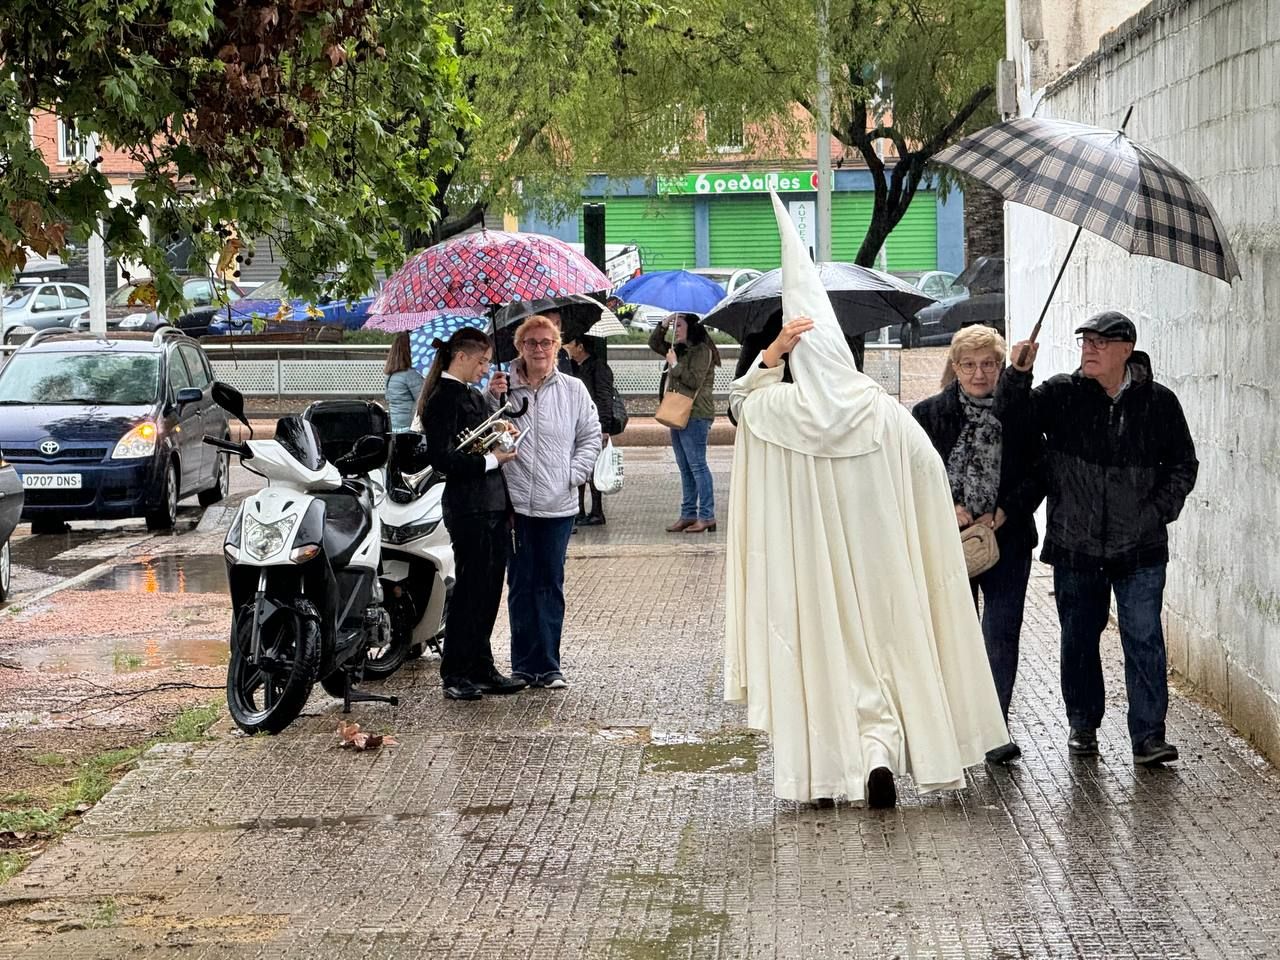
[535, 594]
[1083, 606]
[698, 496]
[1004, 595]
[480, 548]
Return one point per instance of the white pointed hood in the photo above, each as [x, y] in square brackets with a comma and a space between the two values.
[830, 410]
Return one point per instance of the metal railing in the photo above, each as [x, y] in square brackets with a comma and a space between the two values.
[283, 370]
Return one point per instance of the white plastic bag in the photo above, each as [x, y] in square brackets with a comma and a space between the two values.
[608, 472]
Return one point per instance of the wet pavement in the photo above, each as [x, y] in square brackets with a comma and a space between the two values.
[631, 816]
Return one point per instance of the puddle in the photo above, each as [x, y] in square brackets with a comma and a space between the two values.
[202, 573]
[122, 656]
[725, 752]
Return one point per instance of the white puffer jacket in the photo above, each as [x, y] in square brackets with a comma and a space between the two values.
[559, 448]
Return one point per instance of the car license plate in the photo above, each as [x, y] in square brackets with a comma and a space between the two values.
[51, 481]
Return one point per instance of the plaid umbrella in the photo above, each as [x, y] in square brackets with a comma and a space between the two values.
[1103, 182]
[477, 271]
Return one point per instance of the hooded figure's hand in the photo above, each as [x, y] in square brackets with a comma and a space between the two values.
[786, 340]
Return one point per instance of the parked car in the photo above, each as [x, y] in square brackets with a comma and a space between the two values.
[10, 513]
[272, 301]
[731, 278]
[102, 428]
[42, 305]
[977, 297]
[206, 295]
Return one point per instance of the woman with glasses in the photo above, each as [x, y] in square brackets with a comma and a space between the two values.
[558, 448]
[991, 462]
[691, 370]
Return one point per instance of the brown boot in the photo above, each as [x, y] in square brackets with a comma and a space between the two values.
[681, 525]
[701, 526]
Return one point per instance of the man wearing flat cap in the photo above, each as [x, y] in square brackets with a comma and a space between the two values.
[1119, 464]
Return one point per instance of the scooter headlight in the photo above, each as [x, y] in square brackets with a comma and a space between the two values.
[264, 540]
[413, 531]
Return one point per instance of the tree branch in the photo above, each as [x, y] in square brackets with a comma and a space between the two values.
[472, 218]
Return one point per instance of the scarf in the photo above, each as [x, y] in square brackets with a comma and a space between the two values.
[974, 465]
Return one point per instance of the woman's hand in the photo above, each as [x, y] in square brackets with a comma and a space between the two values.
[963, 517]
[786, 340]
[992, 520]
[498, 383]
[504, 456]
[671, 358]
[1000, 519]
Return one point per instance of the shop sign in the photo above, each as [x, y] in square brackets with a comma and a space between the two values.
[720, 183]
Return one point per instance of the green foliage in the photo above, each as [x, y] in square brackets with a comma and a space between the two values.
[314, 121]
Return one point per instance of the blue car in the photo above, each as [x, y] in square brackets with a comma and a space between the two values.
[266, 301]
[111, 428]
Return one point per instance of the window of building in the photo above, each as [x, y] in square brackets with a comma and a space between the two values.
[72, 145]
[725, 131]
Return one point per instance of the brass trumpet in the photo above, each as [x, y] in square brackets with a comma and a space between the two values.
[495, 434]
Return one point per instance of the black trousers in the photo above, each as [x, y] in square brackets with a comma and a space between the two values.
[481, 546]
[1004, 595]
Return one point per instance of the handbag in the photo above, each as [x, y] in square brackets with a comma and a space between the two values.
[981, 551]
[607, 476]
[674, 410]
[619, 412]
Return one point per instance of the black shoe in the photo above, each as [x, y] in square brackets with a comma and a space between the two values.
[592, 520]
[1004, 755]
[1083, 743]
[498, 684]
[580, 518]
[881, 793]
[824, 803]
[462, 690]
[1153, 751]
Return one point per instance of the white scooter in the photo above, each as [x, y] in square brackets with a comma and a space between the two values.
[303, 555]
[417, 570]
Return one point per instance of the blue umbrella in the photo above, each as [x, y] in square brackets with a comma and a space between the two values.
[444, 326]
[676, 290]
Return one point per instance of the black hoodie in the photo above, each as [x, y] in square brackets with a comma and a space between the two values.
[1116, 472]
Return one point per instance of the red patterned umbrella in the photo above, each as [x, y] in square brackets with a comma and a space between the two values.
[477, 271]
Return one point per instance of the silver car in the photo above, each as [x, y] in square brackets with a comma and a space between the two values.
[44, 304]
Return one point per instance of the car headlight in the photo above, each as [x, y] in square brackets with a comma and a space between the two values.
[138, 442]
[410, 532]
[264, 540]
[133, 320]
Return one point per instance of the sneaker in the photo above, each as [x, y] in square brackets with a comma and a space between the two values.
[1004, 755]
[1153, 751]
[1082, 742]
[552, 681]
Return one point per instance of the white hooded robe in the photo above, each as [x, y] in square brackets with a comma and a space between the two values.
[851, 633]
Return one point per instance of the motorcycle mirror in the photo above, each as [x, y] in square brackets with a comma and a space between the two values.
[231, 400]
[366, 454]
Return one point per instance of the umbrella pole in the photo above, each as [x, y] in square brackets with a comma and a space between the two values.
[1035, 331]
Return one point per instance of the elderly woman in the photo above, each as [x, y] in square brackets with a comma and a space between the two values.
[691, 370]
[991, 462]
[557, 453]
[404, 384]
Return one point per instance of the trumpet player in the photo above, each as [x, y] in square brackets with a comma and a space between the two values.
[475, 513]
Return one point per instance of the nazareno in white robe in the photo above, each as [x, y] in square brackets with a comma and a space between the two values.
[850, 630]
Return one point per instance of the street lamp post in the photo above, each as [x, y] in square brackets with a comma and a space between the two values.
[824, 136]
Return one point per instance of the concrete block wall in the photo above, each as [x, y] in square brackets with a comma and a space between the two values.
[1204, 79]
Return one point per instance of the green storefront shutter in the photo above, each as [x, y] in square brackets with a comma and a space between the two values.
[661, 227]
[913, 244]
[744, 233]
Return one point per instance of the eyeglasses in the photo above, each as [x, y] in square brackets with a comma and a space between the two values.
[1094, 343]
[988, 366]
[538, 344]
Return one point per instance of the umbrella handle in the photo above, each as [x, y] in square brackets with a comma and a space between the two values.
[1035, 331]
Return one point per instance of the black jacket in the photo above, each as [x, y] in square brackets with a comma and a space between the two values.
[598, 378]
[451, 409]
[942, 417]
[1116, 474]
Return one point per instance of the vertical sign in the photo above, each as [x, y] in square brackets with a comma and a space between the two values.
[802, 215]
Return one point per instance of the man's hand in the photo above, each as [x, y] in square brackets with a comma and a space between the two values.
[498, 383]
[786, 340]
[963, 517]
[1023, 355]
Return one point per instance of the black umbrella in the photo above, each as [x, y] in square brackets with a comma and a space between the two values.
[580, 315]
[1103, 182]
[863, 299]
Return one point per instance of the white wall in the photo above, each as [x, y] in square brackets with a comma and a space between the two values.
[1204, 78]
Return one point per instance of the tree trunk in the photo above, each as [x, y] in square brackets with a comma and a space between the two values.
[983, 222]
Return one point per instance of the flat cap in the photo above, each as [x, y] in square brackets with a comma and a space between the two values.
[1112, 325]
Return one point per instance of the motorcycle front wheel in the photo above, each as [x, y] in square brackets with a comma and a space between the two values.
[268, 696]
